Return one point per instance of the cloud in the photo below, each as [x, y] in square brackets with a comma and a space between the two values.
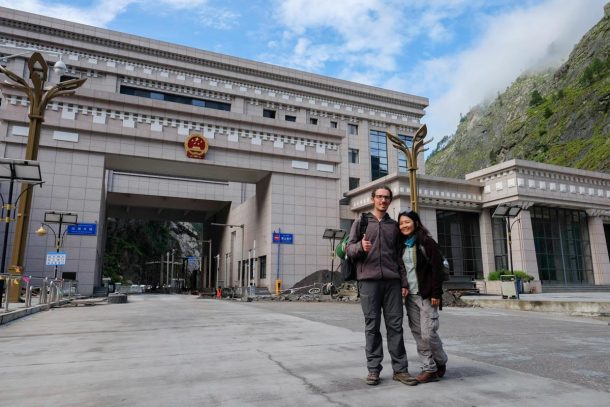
[521, 39]
[98, 14]
[361, 34]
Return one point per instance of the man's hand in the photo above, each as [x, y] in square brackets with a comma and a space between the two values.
[405, 292]
[366, 244]
[435, 302]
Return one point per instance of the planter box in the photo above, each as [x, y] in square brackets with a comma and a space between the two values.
[532, 287]
[488, 287]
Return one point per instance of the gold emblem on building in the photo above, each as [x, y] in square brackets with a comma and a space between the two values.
[196, 146]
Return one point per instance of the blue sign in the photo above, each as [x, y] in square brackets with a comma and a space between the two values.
[282, 238]
[84, 229]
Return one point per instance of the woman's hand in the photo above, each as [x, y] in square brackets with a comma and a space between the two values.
[435, 302]
[405, 292]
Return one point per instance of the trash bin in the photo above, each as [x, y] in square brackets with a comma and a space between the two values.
[519, 283]
[508, 285]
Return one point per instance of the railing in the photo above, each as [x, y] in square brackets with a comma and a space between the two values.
[52, 291]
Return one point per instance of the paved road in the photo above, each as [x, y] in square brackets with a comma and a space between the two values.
[184, 351]
[571, 349]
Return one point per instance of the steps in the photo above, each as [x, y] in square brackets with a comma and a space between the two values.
[552, 288]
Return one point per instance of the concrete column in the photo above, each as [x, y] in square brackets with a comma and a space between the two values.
[524, 250]
[599, 250]
[428, 219]
[487, 246]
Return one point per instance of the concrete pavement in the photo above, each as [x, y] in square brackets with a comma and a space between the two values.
[179, 350]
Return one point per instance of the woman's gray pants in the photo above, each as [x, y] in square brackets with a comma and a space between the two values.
[377, 296]
[423, 321]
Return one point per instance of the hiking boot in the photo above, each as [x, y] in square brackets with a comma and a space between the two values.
[426, 377]
[440, 370]
[373, 379]
[404, 378]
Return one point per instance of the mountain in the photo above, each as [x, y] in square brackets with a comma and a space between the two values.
[557, 117]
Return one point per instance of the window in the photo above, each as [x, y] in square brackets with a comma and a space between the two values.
[170, 97]
[498, 227]
[563, 248]
[333, 124]
[262, 267]
[290, 118]
[67, 78]
[402, 159]
[352, 129]
[460, 241]
[353, 155]
[354, 183]
[379, 154]
[313, 120]
[269, 113]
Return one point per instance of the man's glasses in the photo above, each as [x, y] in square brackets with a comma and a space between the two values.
[383, 197]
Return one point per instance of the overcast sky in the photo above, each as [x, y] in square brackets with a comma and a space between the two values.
[457, 53]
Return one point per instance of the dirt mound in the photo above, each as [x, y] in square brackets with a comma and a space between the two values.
[452, 299]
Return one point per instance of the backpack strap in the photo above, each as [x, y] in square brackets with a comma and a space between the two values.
[364, 222]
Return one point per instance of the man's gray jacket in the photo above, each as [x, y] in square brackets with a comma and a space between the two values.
[383, 261]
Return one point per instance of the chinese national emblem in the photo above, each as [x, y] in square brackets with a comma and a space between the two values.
[196, 146]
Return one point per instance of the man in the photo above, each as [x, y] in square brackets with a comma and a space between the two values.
[382, 281]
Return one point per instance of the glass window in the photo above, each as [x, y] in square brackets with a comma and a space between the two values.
[353, 155]
[333, 124]
[500, 243]
[563, 248]
[313, 120]
[170, 97]
[290, 118]
[354, 183]
[460, 241]
[379, 154]
[402, 159]
[352, 129]
[262, 267]
[269, 113]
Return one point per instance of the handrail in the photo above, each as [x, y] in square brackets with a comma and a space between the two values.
[55, 287]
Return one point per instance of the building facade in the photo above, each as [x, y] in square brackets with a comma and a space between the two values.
[287, 151]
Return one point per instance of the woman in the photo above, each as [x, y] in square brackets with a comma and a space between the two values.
[422, 261]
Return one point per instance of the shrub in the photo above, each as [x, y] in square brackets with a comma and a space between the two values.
[536, 98]
[495, 275]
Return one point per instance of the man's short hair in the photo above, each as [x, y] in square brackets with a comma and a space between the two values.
[387, 188]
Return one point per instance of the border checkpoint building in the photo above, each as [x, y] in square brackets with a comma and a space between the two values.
[285, 151]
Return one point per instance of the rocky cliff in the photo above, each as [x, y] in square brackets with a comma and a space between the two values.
[558, 117]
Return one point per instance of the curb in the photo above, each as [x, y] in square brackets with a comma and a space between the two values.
[24, 312]
[587, 308]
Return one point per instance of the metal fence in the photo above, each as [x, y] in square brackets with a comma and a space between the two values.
[50, 291]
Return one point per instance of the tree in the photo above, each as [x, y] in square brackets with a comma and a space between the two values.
[536, 98]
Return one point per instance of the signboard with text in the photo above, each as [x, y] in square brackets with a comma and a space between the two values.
[83, 229]
[282, 238]
[56, 259]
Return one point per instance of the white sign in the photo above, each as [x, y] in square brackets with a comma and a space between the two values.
[56, 259]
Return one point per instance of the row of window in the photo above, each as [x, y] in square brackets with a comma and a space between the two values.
[170, 97]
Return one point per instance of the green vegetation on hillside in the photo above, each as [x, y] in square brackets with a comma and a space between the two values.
[559, 117]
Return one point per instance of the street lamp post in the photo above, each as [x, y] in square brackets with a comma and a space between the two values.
[417, 146]
[61, 218]
[507, 212]
[333, 235]
[243, 232]
[38, 97]
[15, 170]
